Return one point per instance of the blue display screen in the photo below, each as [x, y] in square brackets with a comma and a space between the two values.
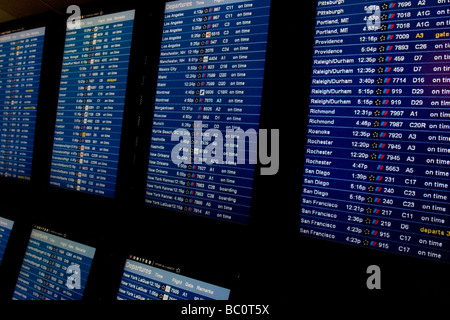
[209, 90]
[141, 280]
[54, 268]
[377, 163]
[20, 71]
[5, 231]
[91, 104]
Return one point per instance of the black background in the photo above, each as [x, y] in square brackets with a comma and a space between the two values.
[266, 262]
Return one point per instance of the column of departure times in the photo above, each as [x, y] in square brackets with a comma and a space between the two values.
[210, 77]
[91, 104]
[378, 153]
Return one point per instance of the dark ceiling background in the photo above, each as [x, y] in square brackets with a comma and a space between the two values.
[14, 9]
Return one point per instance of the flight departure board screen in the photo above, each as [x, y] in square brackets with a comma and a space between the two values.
[142, 280]
[208, 99]
[6, 226]
[54, 268]
[20, 71]
[91, 104]
[377, 160]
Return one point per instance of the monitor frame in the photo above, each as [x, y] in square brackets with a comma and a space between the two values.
[347, 265]
[125, 171]
[145, 133]
[218, 272]
[73, 232]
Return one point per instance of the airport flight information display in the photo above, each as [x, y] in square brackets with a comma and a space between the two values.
[54, 268]
[377, 163]
[210, 82]
[20, 71]
[91, 104]
[6, 226]
[142, 280]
